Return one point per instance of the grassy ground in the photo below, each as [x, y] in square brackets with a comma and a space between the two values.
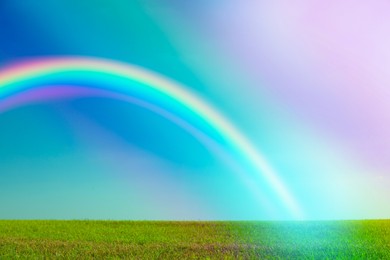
[178, 240]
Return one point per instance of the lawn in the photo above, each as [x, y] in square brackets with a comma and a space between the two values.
[178, 240]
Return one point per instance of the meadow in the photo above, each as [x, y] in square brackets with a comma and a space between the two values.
[369, 239]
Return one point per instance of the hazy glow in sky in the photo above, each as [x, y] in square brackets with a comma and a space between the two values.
[307, 82]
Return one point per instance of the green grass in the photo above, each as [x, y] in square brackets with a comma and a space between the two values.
[178, 240]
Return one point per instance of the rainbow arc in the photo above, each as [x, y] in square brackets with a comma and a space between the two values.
[120, 78]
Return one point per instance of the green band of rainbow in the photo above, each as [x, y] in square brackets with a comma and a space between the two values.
[13, 78]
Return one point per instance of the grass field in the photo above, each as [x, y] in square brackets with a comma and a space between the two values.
[178, 240]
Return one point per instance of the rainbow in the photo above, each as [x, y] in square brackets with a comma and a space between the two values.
[45, 72]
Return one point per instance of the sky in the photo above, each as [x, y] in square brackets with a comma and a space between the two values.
[305, 83]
